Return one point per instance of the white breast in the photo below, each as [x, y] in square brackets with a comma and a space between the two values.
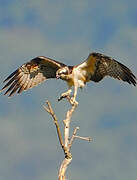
[79, 76]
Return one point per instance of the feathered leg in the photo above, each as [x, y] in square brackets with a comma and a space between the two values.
[73, 98]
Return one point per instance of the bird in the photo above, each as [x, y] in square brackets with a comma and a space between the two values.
[41, 68]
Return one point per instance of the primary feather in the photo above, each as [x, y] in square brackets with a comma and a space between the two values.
[31, 74]
[98, 66]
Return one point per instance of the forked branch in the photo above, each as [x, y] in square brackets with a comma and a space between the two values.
[67, 144]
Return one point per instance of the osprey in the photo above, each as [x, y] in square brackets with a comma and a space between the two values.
[41, 68]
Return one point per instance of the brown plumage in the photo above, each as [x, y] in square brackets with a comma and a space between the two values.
[41, 68]
[31, 74]
[106, 66]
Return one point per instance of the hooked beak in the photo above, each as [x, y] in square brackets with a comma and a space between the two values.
[57, 76]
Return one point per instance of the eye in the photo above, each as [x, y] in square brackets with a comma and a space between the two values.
[63, 71]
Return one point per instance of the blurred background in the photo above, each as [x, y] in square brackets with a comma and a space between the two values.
[68, 31]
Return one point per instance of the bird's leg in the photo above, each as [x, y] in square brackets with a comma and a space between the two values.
[65, 94]
[73, 98]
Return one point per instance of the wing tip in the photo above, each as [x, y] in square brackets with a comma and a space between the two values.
[130, 77]
[11, 75]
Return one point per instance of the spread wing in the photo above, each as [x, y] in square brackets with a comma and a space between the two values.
[31, 74]
[98, 66]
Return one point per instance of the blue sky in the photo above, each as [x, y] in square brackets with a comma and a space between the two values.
[68, 31]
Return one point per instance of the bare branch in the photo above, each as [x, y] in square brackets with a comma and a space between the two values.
[67, 122]
[51, 112]
[63, 167]
[84, 138]
[73, 137]
[68, 156]
[66, 146]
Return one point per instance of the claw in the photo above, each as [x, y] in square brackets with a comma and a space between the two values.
[64, 95]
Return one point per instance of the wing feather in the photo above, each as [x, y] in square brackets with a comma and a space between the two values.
[31, 74]
[98, 66]
[13, 91]
[15, 73]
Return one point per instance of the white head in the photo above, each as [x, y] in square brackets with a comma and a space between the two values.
[62, 73]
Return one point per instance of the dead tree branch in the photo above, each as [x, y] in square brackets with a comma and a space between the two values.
[51, 112]
[67, 144]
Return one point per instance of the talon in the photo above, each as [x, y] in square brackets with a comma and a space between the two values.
[64, 95]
